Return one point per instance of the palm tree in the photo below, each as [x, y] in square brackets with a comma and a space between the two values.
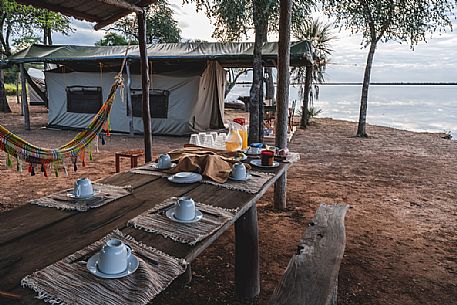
[320, 36]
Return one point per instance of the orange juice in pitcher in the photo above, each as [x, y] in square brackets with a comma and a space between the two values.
[233, 141]
[244, 137]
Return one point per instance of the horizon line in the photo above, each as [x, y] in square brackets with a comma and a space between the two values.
[373, 83]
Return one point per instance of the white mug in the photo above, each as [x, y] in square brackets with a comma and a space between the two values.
[185, 208]
[114, 257]
[164, 161]
[83, 188]
[239, 171]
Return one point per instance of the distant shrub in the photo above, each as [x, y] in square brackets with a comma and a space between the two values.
[11, 89]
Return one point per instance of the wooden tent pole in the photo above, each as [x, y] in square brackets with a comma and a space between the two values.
[25, 104]
[129, 97]
[282, 99]
[147, 126]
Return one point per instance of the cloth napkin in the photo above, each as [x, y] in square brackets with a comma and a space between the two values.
[210, 166]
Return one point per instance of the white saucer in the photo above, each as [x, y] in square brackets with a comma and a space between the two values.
[241, 159]
[71, 194]
[258, 163]
[171, 215]
[248, 176]
[92, 263]
[252, 154]
[185, 177]
[156, 166]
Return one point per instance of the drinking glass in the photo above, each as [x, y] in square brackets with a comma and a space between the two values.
[201, 137]
[194, 139]
[209, 142]
[214, 135]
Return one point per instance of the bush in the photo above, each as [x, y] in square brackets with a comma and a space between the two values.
[10, 89]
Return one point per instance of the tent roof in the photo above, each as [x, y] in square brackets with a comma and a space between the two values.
[103, 12]
[233, 54]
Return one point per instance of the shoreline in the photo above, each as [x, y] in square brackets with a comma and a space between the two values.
[440, 133]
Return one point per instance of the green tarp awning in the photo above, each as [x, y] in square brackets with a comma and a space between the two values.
[232, 54]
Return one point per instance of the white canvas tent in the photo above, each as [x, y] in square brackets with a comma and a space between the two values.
[187, 82]
[195, 100]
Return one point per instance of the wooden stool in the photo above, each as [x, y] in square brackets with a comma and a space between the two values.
[132, 154]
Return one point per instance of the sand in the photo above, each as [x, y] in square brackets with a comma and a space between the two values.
[401, 227]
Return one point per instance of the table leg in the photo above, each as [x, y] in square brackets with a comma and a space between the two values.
[117, 161]
[247, 255]
[280, 192]
[133, 161]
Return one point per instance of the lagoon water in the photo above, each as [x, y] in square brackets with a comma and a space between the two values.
[412, 107]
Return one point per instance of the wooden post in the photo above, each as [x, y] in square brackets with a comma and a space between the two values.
[308, 80]
[261, 110]
[25, 104]
[18, 99]
[282, 99]
[145, 87]
[4, 107]
[247, 255]
[129, 97]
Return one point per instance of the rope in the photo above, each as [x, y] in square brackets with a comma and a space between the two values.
[17, 147]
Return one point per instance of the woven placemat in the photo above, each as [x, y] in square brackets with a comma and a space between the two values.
[252, 185]
[68, 281]
[155, 221]
[104, 194]
[150, 169]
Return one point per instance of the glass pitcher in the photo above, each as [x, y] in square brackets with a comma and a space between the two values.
[233, 142]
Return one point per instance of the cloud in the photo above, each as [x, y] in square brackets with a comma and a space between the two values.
[433, 60]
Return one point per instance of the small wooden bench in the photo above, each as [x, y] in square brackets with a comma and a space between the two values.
[312, 274]
[132, 154]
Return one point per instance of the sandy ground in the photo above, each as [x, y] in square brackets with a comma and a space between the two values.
[401, 228]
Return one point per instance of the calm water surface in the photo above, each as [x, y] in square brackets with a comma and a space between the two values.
[411, 107]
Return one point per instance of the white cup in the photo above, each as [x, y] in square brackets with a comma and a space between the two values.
[114, 257]
[185, 208]
[239, 171]
[83, 188]
[252, 150]
[164, 161]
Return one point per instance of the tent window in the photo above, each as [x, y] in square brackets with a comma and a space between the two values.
[84, 99]
[158, 104]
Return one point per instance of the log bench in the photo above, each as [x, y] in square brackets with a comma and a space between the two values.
[311, 278]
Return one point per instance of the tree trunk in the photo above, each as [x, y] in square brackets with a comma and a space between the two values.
[269, 84]
[4, 107]
[49, 36]
[308, 81]
[147, 126]
[282, 98]
[361, 128]
[261, 109]
[25, 104]
[283, 78]
[260, 35]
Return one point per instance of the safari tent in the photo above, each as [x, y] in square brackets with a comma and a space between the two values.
[187, 82]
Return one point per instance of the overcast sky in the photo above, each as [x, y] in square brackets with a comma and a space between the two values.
[434, 61]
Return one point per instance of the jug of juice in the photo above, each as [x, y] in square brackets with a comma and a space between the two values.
[244, 136]
[233, 142]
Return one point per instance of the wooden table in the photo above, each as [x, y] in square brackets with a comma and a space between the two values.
[32, 237]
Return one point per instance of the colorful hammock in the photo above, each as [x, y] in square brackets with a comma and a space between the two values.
[23, 151]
